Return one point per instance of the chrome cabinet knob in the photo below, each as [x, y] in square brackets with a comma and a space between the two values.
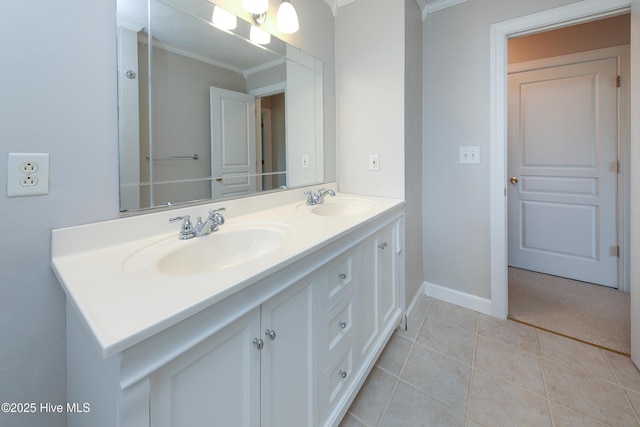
[342, 276]
[258, 343]
[271, 334]
[342, 325]
[343, 374]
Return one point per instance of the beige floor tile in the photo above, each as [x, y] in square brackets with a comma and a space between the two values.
[416, 319]
[634, 398]
[351, 421]
[439, 376]
[412, 408]
[563, 417]
[627, 373]
[372, 399]
[508, 332]
[472, 423]
[448, 339]
[394, 354]
[508, 363]
[575, 355]
[454, 314]
[587, 394]
[496, 403]
[412, 328]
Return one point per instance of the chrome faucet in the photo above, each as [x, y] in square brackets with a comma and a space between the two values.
[316, 199]
[189, 231]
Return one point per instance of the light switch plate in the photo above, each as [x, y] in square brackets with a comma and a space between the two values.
[470, 155]
[374, 162]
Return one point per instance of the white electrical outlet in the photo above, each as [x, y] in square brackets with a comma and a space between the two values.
[27, 174]
[305, 161]
[374, 162]
[470, 155]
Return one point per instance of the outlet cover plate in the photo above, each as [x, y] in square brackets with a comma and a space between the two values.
[27, 174]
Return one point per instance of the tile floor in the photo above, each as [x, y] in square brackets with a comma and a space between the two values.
[456, 367]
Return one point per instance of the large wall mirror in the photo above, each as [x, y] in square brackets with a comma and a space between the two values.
[210, 111]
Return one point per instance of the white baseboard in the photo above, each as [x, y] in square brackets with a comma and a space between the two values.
[463, 299]
[417, 298]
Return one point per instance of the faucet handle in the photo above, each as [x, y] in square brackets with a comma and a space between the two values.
[186, 229]
[216, 217]
[186, 219]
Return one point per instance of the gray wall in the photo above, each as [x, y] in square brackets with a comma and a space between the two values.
[370, 96]
[413, 148]
[456, 113]
[379, 110]
[59, 96]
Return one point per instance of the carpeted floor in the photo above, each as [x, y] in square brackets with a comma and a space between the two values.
[590, 313]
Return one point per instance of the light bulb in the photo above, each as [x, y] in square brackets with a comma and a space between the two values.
[287, 18]
[223, 19]
[259, 36]
[256, 7]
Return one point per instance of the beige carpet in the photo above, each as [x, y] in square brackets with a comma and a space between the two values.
[590, 313]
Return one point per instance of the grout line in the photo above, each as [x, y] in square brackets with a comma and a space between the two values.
[544, 380]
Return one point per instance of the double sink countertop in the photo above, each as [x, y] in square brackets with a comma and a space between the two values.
[131, 278]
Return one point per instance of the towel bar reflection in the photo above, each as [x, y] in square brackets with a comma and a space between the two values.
[189, 157]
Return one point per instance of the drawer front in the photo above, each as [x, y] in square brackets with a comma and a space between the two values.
[337, 326]
[336, 280]
[336, 381]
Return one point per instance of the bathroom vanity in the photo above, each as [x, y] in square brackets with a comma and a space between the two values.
[274, 320]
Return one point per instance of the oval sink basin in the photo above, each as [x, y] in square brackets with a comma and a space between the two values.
[229, 247]
[341, 207]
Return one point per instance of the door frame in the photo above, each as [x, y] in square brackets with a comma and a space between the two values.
[622, 54]
[575, 13]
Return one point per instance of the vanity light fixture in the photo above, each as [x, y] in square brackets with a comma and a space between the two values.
[223, 19]
[257, 9]
[287, 16]
[258, 36]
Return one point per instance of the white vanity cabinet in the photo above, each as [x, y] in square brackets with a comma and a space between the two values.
[258, 371]
[361, 310]
[291, 348]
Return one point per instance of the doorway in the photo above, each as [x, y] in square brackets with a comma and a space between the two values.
[499, 33]
[565, 213]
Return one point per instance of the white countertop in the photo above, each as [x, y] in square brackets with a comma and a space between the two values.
[123, 306]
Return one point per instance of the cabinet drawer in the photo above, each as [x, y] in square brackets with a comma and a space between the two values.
[336, 280]
[336, 327]
[336, 381]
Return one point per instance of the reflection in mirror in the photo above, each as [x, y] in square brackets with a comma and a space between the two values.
[205, 112]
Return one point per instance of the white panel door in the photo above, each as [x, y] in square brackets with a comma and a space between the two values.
[233, 143]
[563, 171]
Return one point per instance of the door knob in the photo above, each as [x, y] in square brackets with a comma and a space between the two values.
[514, 180]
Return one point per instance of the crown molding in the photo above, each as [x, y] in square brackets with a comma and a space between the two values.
[425, 7]
[435, 6]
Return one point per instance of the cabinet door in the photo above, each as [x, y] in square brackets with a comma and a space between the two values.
[368, 310]
[378, 290]
[288, 359]
[215, 383]
[386, 265]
